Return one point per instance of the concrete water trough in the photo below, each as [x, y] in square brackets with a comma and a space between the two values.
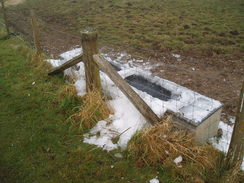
[189, 109]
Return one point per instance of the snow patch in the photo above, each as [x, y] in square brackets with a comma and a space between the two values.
[154, 180]
[176, 55]
[178, 160]
[223, 143]
[118, 155]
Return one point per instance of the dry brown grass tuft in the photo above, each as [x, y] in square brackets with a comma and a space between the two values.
[23, 50]
[94, 109]
[67, 90]
[160, 144]
[68, 98]
[163, 142]
[234, 174]
[38, 61]
[222, 173]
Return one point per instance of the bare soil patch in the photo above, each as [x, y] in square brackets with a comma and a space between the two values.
[13, 2]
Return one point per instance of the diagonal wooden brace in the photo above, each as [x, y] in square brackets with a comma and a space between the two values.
[135, 99]
[66, 65]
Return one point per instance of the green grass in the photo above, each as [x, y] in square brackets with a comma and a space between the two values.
[37, 143]
[202, 27]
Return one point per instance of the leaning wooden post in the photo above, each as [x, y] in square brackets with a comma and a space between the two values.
[5, 17]
[89, 46]
[36, 34]
[135, 99]
[236, 149]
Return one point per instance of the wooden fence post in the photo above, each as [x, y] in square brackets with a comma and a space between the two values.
[5, 18]
[236, 149]
[36, 34]
[89, 46]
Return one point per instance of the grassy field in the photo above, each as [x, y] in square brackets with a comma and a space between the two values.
[202, 27]
[37, 143]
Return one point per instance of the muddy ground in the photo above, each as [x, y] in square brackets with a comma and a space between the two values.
[13, 2]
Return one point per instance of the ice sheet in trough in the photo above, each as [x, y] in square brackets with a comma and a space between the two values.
[152, 89]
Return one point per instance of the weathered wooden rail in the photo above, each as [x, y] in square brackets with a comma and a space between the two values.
[135, 99]
[236, 148]
[66, 65]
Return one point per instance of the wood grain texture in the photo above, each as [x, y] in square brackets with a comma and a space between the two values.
[236, 150]
[89, 46]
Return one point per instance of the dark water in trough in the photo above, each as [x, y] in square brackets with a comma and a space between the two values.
[152, 89]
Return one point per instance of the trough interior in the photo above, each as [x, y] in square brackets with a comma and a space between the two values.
[150, 88]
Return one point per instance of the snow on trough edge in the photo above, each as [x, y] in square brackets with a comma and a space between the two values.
[126, 120]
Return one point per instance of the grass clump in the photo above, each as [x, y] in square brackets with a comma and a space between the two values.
[38, 61]
[162, 143]
[68, 98]
[94, 109]
[222, 173]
